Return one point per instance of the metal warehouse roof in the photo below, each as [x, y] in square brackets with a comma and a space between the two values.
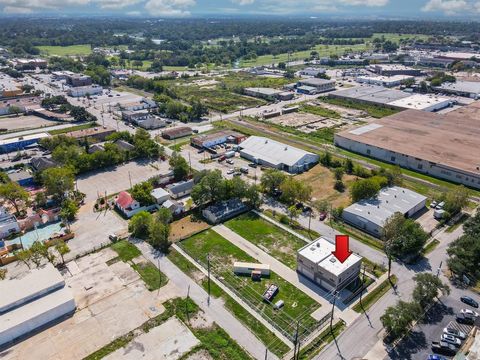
[23, 138]
[272, 151]
[472, 87]
[388, 202]
[320, 253]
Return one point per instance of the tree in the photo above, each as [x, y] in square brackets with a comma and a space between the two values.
[40, 199]
[62, 249]
[397, 319]
[58, 181]
[163, 216]
[139, 224]
[38, 252]
[211, 188]
[271, 180]
[14, 110]
[14, 193]
[348, 165]
[427, 289]
[338, 173]
[179, 166]
[294, 212]
[158, 236]
[145, 146]
[142, 192]
[456, 199]
[25, 256]
[68, 210]
[3, 274]
[366, 188]
[294, 190]
[252, 196]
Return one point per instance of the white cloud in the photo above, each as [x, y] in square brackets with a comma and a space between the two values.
[243, 2]
[116, 4]
[16, 10]
[449, 7]
[28, 6]
[169, 7]
[364, 2]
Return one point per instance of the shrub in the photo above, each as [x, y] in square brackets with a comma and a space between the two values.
[284, 219]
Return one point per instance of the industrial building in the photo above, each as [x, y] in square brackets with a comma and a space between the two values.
[76, 80]
[224, 210]
[96, 133]
[469, 89]
[370, 215]
[268, 93]
[440, 145]
[142, 104]
[29, 64]
[178, 132]
[387, 81]
[18, 143]
[394, 69]
[221, 137]
[321, 85]
[313, 72]
[90, 90]
[268, 152]
[33, 301]
[316, 262]
[21, 103]
[391, 98]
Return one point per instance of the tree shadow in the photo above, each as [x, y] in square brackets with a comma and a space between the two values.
[410, 345]
[436, 313]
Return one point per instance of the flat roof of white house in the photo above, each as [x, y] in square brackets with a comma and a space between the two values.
[320, 253]
[15, 292]
[264, 91]
[22, 138]
[159, 193]
[421, 101]
[272, 151]
[389, 201]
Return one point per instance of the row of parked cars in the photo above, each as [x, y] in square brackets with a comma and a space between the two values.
[452, 338]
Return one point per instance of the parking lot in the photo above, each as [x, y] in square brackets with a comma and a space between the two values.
[418, 345]
[24, 122]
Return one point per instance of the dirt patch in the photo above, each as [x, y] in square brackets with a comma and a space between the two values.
[322, 180]
[186, 227]
[200, 355]
[199, 321]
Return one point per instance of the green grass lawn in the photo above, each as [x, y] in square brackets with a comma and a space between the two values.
[298, 305]
[72, 128]
[71, 50]
[281, 244]
[322, 340]
[320, 111]
[357, 234]
[294, 225]
[151, 275]
[374, 268]
[260, 331]
[376, 111]
[430, 247]
[126, 250]
[373, 296]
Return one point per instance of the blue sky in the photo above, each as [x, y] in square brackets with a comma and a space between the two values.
[455, 9]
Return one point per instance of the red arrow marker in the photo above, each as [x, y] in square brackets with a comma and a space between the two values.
[342, 248]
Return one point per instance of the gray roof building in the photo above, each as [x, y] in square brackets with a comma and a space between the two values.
[42, 163]
[463, 88]
[180, 189]
[371, 214]
[224, 210]
[124, 145]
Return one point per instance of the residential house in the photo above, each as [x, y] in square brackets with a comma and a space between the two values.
[224, 210]
[180, 189]
[42, 163]
[127, 204]
[160, 195]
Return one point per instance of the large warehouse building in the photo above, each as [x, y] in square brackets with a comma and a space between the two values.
[316, 262]
[33, 301]
[264, 151]
[440, 145]
[370, 215]
[391, 98]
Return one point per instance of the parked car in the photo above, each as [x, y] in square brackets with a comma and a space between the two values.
[441, 347]
[462, 319]
[252, 165]
[244, 170]
[113, 237]
[469, 313]
[230, 161]
[433, 204]
[230, 171]
[451, 340]
[435, 357]
[469, 301]
[323, 216]
[455, 332]
[440, 206]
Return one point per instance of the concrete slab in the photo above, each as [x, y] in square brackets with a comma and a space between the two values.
[170, 341]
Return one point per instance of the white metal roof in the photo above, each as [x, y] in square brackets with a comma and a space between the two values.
[472, 87]
[389, 201]
[22, 138]
[272, 151]
[159, 193]
[420, 101]
[320, 253]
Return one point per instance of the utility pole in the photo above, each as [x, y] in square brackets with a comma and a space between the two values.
[361, 291]
[190, 162]
[208, 267]
[309, 221]
[295, 342]
[130, 179]
[333, 309]
[266, 353]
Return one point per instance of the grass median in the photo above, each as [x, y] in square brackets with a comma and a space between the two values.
[373, 296]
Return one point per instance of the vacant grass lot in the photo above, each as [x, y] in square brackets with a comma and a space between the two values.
[294, 225]
[223, 254]
[72, 50]
[126, 251]
[320, 111]
[373, 296]
[279, 243]
[376, 111]
[73, 128]
[151, 275]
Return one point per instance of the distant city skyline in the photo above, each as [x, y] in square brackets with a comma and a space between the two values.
[447, 9]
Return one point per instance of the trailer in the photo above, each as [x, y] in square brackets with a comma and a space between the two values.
[270, 293]
[245, 268]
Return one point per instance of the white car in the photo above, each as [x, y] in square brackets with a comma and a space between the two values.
[451, 340]
[230, 171]
[455, 332]
[469, 313]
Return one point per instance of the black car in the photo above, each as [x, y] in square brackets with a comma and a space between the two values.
[464, 320]
[469, 301]
[441, 347]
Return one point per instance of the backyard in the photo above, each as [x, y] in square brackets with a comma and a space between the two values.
[298, 306]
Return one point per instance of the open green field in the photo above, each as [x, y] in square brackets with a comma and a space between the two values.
[151, 275]
[323, 50]
[320, 111]
[72, 128]
[397, 37]
[292, 224]
[281, 244]
[72, 50]
[298, 306]
[126, 250]
[376, 111]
